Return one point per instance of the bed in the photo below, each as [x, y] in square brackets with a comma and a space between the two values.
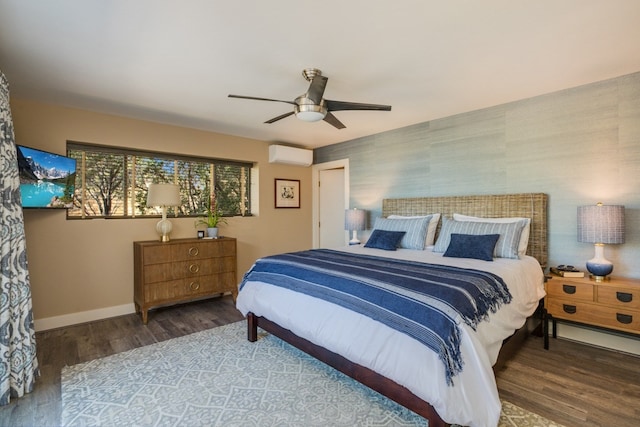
[399, 365]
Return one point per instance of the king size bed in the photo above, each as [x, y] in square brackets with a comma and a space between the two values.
[444, 290]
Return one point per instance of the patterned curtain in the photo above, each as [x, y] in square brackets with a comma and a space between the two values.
[18, 362]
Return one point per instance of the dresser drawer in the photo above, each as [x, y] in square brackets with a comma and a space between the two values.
[202, 250]
[174, 290]
[557, 287]
[569, 309]
[190, 251]
[158, 293]
[223, 248]
[155, 254]
[162, 253]
[627, 298]
[182, 269]
[593, 314]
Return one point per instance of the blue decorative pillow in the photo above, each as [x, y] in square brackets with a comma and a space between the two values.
[472, 246]
[382, 239]
[415, 229]
[507, 246]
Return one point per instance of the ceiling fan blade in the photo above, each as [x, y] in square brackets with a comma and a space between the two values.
[261, 99]
[333, 120]
[280, 117]
[341, 106]
[316, 89]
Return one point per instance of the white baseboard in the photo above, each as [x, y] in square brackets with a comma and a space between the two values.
[82, 317]
[598, 338]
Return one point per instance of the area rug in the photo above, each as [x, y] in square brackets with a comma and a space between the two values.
[218, 378]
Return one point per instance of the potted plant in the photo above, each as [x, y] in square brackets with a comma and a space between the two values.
[212, 217]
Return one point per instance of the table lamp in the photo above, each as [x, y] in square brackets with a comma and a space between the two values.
[354, 220]
[600, 224]
[163, 195]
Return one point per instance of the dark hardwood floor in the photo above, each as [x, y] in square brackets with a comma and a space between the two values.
[572, 384]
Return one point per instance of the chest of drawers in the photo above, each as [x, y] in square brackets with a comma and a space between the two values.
[613, 304]
[182, 270]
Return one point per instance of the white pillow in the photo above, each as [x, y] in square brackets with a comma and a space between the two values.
[431, 230]
[524, 237]
[415, 230]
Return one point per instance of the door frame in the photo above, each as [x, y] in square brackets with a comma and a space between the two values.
[315, 192]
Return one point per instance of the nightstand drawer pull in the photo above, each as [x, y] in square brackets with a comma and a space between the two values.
[569, 289]
[571, 309]
[194, 286]
[624, 318]
[624, 296]
[194, 268]
[193, 251]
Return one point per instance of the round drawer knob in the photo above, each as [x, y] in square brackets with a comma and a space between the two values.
[194, 286]
[194, 268]
[193, 251]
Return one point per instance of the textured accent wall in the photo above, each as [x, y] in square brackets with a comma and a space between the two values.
[580, 146]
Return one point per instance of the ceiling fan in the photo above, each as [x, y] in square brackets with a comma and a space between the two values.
[312, 107]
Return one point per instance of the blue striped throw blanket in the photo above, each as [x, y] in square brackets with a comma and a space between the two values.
[425, 301]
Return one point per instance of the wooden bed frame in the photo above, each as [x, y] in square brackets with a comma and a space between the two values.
[529, 205]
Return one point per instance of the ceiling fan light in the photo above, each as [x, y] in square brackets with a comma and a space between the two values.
[310, 112]
[310, 116]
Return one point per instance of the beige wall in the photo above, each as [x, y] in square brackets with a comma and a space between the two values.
[81, 266]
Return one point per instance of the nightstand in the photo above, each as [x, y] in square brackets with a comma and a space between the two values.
[612, 304]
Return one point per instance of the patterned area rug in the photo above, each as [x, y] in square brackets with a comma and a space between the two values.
[218, 378]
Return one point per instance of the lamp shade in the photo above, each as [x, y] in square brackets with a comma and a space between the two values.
[163, 195]
[601, 224]
[354, 219]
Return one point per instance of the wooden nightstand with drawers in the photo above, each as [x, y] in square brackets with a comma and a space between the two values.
[612, 304]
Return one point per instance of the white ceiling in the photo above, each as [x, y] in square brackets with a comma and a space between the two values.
[176, 61]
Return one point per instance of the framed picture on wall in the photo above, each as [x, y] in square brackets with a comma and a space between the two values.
[287, 192]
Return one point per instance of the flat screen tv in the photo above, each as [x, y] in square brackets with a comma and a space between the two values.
[47, 180]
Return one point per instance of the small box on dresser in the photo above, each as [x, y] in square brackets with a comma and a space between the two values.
[182, 270]
[612, 304]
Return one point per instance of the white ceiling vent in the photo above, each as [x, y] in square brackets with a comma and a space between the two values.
[290, 155]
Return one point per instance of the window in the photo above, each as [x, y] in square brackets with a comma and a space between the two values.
[112, 182]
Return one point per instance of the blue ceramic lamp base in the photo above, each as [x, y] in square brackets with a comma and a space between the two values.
[599, 266]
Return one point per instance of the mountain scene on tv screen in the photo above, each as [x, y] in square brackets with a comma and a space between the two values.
[47, 180]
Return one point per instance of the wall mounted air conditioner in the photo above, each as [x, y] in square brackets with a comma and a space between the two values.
[290, 155]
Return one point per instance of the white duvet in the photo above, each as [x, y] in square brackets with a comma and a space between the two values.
[473, 399]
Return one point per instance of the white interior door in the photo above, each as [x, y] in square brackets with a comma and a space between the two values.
[331, 205]
[338, 208]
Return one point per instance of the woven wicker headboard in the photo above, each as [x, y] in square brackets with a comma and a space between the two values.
[527, 205]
